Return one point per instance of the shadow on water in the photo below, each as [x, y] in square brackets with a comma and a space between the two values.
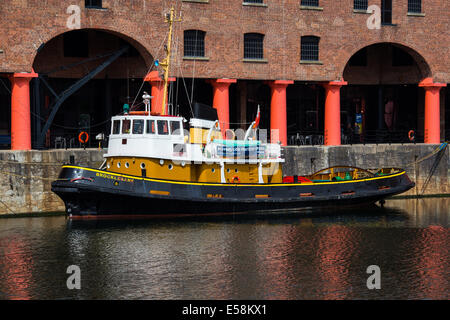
[373, 214]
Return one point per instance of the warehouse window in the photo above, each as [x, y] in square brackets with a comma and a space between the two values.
[194, 43]
[310, 48]
[253, 46]
[253, 1]
[96, 4]
[415, 6]
[360, 4]
[310, 3]
[386, 12]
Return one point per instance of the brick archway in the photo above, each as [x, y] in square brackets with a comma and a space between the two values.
[378, 56]
[55, 48]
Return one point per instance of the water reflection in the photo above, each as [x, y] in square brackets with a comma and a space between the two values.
[433, 262]
[16, 272]
[300, 255]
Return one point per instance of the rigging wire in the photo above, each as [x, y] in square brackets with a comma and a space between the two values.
[151, 67]
[193, 68]
[185, 85]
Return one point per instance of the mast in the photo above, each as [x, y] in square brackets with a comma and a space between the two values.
[166, 63]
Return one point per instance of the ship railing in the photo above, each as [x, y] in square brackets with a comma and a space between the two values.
[341, 173]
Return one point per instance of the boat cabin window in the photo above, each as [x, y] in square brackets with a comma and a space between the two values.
[163, 127]
[175, 128]
[138, 126]
[126, 124]
[116, 127]
[151, 127]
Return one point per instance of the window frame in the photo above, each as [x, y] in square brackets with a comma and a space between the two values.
[386, 12]
[171, 127]
[148, 125]
[360, 5]
[158, 127]
[415, 4]
[258, 41]
[93, 6]
[196, 46]
[304, 54]
[255, 3]
[133, 127]
[310, 4]
[123, 127]
[113, 131]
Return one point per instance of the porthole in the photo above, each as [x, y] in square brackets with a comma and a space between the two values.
[213, 170]
[161, 162]
[142, 165]
[228, 170]
[127, 165]
[236, 170]
[170, 166]
[118, 164]
[108, 165]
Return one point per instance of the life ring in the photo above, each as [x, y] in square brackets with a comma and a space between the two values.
[235, 179]
[411, 135]
[80, 137]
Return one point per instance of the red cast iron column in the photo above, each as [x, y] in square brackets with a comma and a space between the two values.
[332, 128]
[278, 117]
[221, 100]
[20, 110]
[432, 134]
[157, 91]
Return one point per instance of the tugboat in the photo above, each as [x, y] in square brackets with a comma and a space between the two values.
[163, 164]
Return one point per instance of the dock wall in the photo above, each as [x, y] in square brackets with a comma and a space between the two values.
[27, 175]
[306, 159]
[26, 178]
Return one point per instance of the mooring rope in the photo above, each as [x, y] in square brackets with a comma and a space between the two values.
[443, 146]
[434, 166]
[7, 207]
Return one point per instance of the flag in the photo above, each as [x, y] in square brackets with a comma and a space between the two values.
[256, 122]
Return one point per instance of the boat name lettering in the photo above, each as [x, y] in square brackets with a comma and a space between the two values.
[240, 150]
[118, 178]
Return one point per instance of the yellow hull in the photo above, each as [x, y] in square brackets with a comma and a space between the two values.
[191, 172]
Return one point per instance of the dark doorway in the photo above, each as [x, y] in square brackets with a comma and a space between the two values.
[65, 61]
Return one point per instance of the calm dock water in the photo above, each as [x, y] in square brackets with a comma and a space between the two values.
[306, 255]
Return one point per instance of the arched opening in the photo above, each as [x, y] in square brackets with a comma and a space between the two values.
[85, 77]
[382, 101]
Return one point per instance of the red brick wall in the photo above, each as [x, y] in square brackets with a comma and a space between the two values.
[26, 24]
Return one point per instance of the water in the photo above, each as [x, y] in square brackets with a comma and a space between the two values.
[298, 256]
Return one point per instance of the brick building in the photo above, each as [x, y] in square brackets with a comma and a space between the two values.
[322, 71]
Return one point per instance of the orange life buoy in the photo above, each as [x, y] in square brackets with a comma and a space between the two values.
[235, 179]
[411, 135]
[80, 137]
